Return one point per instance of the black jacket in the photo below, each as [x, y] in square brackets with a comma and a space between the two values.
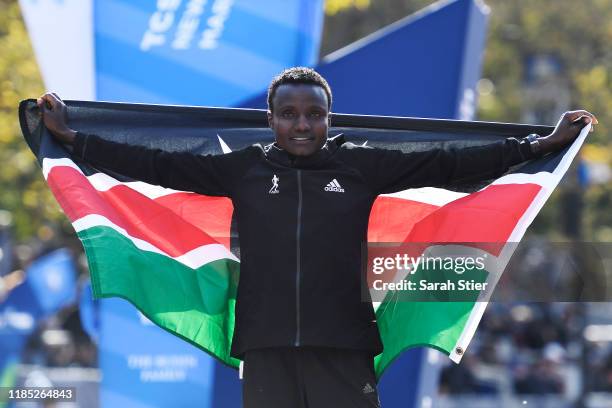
[302, 222]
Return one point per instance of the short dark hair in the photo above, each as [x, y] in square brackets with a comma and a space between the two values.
[299, 75]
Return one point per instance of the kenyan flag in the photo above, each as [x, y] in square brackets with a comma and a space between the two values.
[174, 254]
[483, 222]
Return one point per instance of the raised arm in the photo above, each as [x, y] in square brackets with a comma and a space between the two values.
[211, 174]
[392, 170]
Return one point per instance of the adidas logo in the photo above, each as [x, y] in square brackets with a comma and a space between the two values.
[368, 388]
[334, 186]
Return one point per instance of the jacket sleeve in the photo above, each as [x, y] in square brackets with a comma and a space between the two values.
[390, 171]
[214, 175]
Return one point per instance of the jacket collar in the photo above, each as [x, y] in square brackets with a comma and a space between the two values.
[276, 154]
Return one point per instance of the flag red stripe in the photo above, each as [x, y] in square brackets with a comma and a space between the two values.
[391, 218]
[483, 217]
[213, 215]
[172, 231]
[486, 216]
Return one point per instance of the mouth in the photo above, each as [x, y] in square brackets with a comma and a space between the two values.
[301, 139]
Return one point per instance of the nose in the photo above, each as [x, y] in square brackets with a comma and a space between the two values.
[302, 124]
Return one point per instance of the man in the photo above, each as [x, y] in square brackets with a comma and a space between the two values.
[306, 336]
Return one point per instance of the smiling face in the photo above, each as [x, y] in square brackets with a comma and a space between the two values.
[299, 118]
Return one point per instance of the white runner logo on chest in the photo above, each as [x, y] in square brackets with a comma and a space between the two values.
[274, 189]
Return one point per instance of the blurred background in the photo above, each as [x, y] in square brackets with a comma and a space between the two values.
[537, 59]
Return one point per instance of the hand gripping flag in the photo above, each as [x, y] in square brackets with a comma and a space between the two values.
[173, 254]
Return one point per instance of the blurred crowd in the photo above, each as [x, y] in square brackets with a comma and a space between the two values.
[61, 342]
[531, 346]
[534, 343]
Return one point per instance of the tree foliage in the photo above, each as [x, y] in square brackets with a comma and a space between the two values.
[334, 6]
[23, 191]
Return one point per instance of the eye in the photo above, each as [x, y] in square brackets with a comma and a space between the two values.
[316, 114]
[288, 114]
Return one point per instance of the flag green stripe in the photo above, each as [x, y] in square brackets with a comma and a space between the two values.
[425, 317]
[403, 325]
[195, 304]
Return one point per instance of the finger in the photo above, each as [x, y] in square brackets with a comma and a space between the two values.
[573, 115]
[52, 100]
[44, 104]
[57, 97]
[582, 121]
[49, 101]
[56, 100]
[47, 95]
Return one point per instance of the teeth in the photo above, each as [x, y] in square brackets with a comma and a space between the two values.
[301, 138]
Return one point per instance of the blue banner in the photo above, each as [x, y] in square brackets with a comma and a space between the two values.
[151, 376]
[200, 52]
[52, 281]
[49, 285]
[89, 312]
[425, 65]
[144, 366]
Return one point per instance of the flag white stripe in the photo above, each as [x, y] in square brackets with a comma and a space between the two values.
[543, 178]
[104, 182]
[441, 197]
[193, 259]
[428, 195]
[48, 164]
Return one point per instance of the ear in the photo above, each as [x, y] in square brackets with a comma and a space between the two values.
[329, 120]
[270, 120]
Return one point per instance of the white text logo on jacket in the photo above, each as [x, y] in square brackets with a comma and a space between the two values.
[334, 186]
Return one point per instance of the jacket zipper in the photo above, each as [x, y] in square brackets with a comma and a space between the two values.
[298, 259]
